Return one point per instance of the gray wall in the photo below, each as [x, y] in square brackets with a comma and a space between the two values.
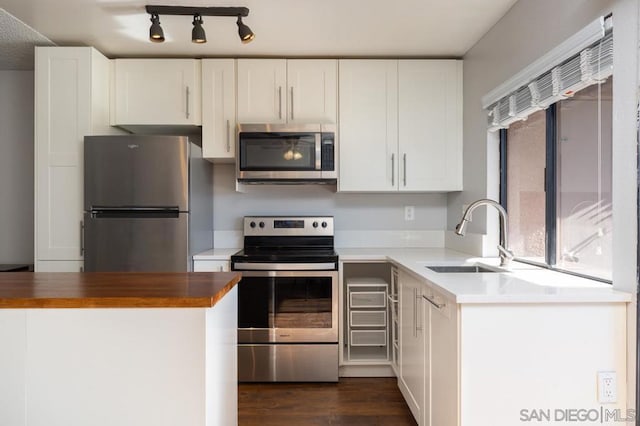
[16, 166]
[351, 211]
[529, 30]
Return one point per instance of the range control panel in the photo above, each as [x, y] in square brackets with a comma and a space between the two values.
[288, 225]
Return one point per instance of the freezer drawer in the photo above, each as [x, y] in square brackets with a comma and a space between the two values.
[125, 171]
[149, 244]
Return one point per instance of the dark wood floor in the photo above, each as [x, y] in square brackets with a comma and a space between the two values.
[352, 401]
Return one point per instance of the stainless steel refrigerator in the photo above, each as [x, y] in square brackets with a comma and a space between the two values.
[148, 203]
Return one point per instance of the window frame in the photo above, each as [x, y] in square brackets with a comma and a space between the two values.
[550, 188]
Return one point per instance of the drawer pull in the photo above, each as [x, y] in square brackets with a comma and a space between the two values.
[437, 305]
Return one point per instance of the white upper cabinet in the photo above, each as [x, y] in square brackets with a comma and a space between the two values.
[400, 125]
[218, 109]
[72, 101]
[312, 91]
[287, 91]
[430, 125]
[262, 86]
[368, 125]
[156, 92]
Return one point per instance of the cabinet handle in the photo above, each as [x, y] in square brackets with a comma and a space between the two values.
[187, 110]
[437, 305]
[393, 169]
[291, 102]
[415, 312]
[418, 317]
[391, 299]
[228, 134]
[81, 238]
[404, 168]
[280, 102]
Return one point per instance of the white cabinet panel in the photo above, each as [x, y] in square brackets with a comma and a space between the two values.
[156, 92]
[441, 352]
[13, 335]
[72, 93]
[59, 266]
[430, 125]
[412, 360]
[211, 266]
[287, 91]
[368, 125]
[218, 108]
[262, 85]
[312, 91]
[400, 125]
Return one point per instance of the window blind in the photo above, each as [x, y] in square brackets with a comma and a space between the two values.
[592, 65]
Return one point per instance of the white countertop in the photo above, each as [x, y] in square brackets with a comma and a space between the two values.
[522, 284]
[216, 254]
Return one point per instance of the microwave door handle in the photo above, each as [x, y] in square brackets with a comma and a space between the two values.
[318, 151]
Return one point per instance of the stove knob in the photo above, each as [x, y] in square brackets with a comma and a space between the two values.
[315, 224]
[324, 224]
[252, 224]
[261, 224]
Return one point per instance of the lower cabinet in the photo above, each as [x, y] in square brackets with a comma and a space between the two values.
[486, 364]
[211, 266]
[411, 365]
[365, 326]
[428, 359]
[441, 348]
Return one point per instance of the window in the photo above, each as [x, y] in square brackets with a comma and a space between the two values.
[557, 177]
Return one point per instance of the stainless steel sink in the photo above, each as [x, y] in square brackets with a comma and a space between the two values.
[460, 268]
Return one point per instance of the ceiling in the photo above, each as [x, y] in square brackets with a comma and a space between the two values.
[292, 28]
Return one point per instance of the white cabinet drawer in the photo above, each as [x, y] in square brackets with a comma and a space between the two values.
[368, 319]
[368, 338]
[368, 299]
[210, 266]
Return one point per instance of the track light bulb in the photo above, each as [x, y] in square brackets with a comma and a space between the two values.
[156, 34]
[197, 34]
[245, 33]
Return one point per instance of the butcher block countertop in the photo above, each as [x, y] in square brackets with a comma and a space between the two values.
[114, 289]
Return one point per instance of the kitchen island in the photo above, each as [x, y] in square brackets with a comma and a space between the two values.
[118, 348]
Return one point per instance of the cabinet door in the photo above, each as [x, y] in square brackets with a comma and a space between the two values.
[218, 108]
[412, 360]
[62, 119]
[211, 266]
[368, 125]
[430, 125]
[312, 91]
[157, 92]
[59, 266]
[444, 360]
[262, 86]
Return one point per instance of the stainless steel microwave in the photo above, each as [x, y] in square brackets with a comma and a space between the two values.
[281, 153]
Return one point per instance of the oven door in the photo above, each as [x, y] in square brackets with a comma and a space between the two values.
[288, 306]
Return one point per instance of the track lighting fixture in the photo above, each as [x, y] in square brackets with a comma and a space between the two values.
[245, 33]
[197, 34]
[156, 34]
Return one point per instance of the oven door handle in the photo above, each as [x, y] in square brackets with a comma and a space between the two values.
[248, 266]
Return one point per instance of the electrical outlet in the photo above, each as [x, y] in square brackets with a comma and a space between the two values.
[409, 213]
[607, 387]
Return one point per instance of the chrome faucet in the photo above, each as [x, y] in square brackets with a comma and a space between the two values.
[505, 254]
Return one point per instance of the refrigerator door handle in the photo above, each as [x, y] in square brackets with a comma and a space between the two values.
[135, 212]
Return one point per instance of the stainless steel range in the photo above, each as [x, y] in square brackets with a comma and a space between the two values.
[287, 300]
